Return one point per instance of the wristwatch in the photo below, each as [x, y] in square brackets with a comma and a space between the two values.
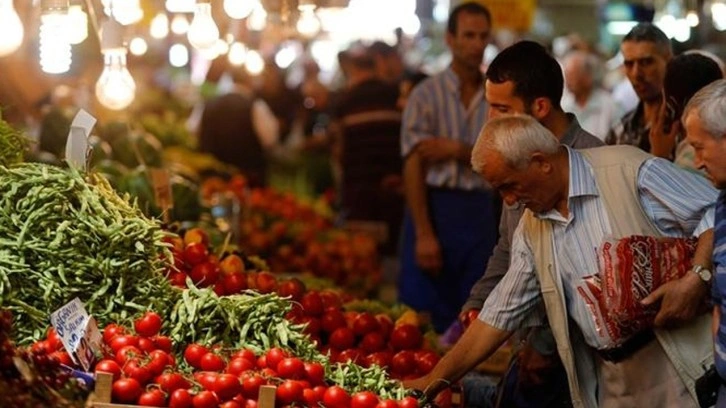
[703, 273]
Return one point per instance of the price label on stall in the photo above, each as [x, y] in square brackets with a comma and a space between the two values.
[77, 150]
[78, 332]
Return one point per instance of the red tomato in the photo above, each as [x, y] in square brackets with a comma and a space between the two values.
[385, 323]
[381, 359]
[403, 363]
[153, 398]
[251, 385]
[227, 386]
[180, 398]
[231, 404]
[171, 382]
[330, 299]
[352, 354]
[336, 397]
[365, 323]
[63, 358]
[291, 368]
[54, 341]
[387, 404]
[205, 399]
[406, 337]
[123, 340]
[373, 342]
[206, 379]
[146, 345]
[311, 398]
[312, 304]
[148, 325]
[274, 356]
[470, 316]
[289, 392]
[426, 360]
[342, 338]
[134, 369]
[111, 331]
[162, 343]
[315, 373]
[292, 288]
[40, 347]
[313, 325]
[234, 283]
[159, 360]
[205, 274]
[178, 279]
[238, 365]
[196, 253]
[126, 353]
[364, 399]
[212, 362]
[246, 354]
[408, 402]
[126, 390]
[332, 319]
[266, 282]
[193, 355]
[109, 366]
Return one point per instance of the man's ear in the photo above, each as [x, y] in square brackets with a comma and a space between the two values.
[449, 39]
[541, 162]
[541, 107]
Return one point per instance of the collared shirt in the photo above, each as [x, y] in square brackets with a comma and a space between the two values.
[632, 129]
[600, 113]
[719, 282]
[434, 109]
[678, 203]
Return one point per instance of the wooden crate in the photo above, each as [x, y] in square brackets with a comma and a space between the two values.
[101, 396]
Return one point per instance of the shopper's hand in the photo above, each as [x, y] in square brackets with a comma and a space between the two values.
[534, 367]
[438, 149]
[662, 143]
[680, 300]
[428, 254]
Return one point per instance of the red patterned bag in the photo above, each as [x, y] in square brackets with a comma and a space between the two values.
[630, 269]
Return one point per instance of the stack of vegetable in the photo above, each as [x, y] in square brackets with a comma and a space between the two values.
[13, 144]
[62, 236]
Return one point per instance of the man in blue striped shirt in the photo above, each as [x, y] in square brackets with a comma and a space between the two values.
[450, 226]
[705, 122]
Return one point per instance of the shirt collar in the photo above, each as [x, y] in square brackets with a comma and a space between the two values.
[582, 177]
[451, 80]
[572, 131]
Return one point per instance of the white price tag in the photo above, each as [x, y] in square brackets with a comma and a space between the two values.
[77, 143]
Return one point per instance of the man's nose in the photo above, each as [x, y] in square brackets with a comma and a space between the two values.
[509, 198]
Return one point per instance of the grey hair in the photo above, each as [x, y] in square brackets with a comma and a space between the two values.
[516, 138]
[710, 105]
[591, 64]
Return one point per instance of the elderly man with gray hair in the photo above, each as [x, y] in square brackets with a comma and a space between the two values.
[575, 200]
[705, 121]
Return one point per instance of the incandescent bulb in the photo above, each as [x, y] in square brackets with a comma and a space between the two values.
[11, 28]
[308, 23]
[77, 24]
[179, 24]
[257, 21]
[237, 54]
[180, 6]
[203, 32]
[55, 48]
[178, 55]
[160, 26]
[254, 64]
[115, 88]
[239, 9]
[138, 46]
[126, 12]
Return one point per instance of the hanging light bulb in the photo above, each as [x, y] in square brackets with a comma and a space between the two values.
[125, 12]
[178, 55]
[77, 24]
[254, 63]
[239, 9]
[115, 88]
[160, 26]
[308, 23]
[203, 32]
[180, 6]
[179, 24]
[11, 28]
[138, 46]
[257, 21]
[55, 48]
[237, 54]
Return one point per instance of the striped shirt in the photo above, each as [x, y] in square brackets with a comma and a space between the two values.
[434, 109]
[679, 203]
[719, 282]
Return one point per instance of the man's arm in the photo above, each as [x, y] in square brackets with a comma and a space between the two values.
[428, 251]
[441, 149]
[476, 344]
